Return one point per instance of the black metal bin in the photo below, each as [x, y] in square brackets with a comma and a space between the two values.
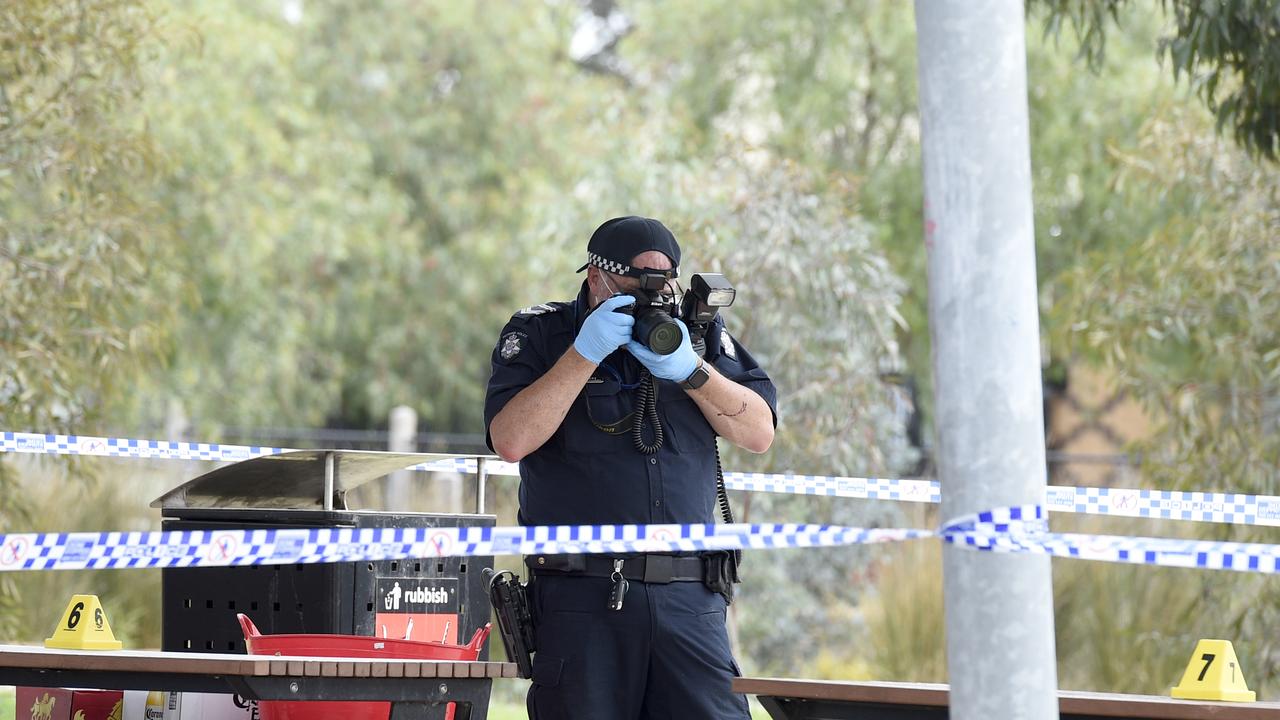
[422, 598]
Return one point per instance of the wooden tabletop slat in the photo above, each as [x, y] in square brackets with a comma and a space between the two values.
[154, 661]
[1069, 701]
[928, 694]
[22, 656]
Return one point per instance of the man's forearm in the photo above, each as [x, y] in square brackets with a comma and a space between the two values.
[531, 417]
[737, 413]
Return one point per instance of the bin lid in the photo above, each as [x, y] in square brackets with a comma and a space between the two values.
[289, 481]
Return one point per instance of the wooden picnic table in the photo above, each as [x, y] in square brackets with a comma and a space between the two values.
[787, 699]
[415, 688]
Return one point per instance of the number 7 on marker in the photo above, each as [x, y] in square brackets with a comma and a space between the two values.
[1208, 660]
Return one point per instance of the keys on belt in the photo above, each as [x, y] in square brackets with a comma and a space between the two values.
[619, 588]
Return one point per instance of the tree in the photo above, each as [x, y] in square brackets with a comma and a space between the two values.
[1185, 315]
[85, 309]
[1229, 50]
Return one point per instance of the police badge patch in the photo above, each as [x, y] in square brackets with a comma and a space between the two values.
[726, 345]
[511, 346]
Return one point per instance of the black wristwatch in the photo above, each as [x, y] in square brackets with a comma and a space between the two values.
[698, 377]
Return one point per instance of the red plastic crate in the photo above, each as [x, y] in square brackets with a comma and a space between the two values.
[358, 646]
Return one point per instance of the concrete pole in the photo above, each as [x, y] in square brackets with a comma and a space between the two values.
[984, 325]
[402, 434]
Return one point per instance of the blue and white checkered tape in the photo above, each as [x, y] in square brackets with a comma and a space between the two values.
[1022, 529]
[220, 548]
[43, 444]
[849, 487]
[1229, 508]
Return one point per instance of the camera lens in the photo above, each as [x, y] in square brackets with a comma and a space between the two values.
[665, 338]
[659, 332]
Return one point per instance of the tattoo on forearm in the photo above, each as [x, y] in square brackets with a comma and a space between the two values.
[734, 414]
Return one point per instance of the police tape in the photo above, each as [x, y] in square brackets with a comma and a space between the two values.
[1227, 508]
[1007, 530]
[1022, 529]
[222, 548]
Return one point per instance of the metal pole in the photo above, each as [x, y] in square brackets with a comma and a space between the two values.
[330, 480]
[986, 347]
[482, 476]
[402, 431]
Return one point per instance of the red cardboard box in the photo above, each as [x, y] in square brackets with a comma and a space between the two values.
[61, 704]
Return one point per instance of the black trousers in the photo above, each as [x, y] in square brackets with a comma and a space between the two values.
[665, 654]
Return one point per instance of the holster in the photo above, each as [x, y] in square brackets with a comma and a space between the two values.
[721, 570]
[516, 618]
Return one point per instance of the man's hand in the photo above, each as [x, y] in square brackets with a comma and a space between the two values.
[676, 367]
[605, 330]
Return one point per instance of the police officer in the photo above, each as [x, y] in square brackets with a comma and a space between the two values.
[567, 381]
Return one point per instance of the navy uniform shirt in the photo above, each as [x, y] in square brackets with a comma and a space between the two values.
[583, 475]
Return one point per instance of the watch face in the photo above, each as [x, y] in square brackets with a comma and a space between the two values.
[698, 378]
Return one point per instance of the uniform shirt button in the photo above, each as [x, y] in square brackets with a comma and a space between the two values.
[657, 503]
[653, 461]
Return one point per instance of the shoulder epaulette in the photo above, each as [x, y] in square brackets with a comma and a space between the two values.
[542, 309]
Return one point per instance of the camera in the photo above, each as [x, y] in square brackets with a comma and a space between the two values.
[655, 327]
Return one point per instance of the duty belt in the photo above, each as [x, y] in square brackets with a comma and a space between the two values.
[660, 569]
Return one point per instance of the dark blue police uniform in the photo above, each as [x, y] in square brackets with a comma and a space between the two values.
[666, 653]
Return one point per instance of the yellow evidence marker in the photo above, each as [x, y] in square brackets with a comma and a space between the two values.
[84, 626]
[1214, 674]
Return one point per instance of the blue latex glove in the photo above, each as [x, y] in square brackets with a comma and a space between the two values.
[676, 367]
[605, 330]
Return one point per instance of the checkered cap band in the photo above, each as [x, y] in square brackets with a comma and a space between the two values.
[608, 265]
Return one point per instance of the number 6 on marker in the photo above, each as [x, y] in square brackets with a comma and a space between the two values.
[74, 618]
[1208, 660]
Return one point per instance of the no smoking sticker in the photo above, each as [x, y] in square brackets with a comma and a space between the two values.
[14, 551]
[223, 549]
[441, 544]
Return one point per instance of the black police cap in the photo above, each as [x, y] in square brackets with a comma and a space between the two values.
[617, 241]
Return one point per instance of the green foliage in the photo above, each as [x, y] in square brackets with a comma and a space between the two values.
[1181, 317]
[906, 634]
[82, 314]
[1125, 628]
[1229, 49]
[76, 171]
[1185, 315]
